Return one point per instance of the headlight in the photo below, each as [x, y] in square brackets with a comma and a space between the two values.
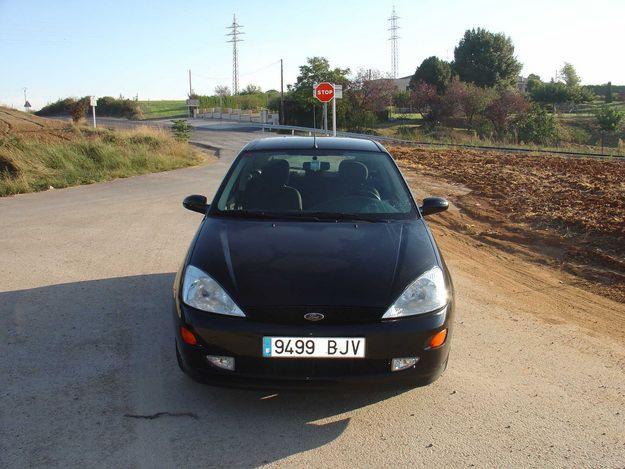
[200, 291]
[427, 293]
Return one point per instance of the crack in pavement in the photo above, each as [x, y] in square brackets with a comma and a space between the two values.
[162, 414]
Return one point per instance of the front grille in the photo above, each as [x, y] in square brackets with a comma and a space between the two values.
[295, 314]
[310, 367]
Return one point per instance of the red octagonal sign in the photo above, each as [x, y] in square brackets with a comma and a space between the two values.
[324, 92]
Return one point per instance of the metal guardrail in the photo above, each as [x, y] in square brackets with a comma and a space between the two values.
[398, 141]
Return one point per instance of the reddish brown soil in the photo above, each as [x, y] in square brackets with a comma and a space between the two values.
[561, 211]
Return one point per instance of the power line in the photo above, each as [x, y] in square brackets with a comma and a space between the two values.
[394, 37]
[234, 39]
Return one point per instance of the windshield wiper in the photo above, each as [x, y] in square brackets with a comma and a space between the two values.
[267, 215]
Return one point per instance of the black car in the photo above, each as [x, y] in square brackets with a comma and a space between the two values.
[313, 266]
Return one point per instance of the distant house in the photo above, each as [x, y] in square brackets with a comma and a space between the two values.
[400, 83]
[521, 83]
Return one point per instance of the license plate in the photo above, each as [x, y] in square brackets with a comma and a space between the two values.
[314, 347]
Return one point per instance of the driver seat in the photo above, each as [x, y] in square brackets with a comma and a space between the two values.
[353, 177]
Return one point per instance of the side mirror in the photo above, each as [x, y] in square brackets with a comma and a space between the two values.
[433, 205]
[196, 203]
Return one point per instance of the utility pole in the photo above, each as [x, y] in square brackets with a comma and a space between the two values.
[190, 87]
[394, 37]
[281, 92]
[234, 35]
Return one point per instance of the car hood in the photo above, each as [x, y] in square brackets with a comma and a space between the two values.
[291, 263]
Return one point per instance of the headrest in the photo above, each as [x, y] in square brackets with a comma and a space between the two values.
[353, 172]
[276, 172]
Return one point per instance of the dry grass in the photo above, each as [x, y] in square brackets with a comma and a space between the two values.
[38, 153]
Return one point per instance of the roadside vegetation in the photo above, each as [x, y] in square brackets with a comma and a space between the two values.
[36, 154]
[78, 108]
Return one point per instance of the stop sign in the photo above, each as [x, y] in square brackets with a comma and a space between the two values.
[324, 92]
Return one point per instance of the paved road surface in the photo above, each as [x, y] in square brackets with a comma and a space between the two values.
[88, 375]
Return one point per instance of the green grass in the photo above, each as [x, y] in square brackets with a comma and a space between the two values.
[28, 164]
[163, 109]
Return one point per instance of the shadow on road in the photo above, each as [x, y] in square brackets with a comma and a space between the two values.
[92, 364]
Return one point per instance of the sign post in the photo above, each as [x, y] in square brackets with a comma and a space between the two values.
[324, 92]
[338, 93]
[93, 102]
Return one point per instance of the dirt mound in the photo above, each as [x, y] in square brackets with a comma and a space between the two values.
[569, 212]
[18, 123]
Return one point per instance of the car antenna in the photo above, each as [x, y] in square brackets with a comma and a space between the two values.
[314, 127]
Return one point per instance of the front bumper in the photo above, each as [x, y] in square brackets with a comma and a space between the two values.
[241, 338]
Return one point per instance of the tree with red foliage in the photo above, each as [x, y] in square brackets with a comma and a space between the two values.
[424, 97]
[504, 108]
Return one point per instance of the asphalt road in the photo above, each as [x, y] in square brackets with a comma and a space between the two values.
[88, 374]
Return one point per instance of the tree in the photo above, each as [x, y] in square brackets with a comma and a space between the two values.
[533, 81]
[401, 98]
[486, 59]
[251, 89]
[372, 91]
[555, 93]
[474, 101]
[424, 97]
[433, 71]
[569, 75]
[222, 90]
[507, 105]
[609, 118]
[608, 94]
[300, 100]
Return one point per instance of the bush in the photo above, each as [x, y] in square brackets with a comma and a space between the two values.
[181, 130]
[538, 126]
[609, 118]
[79, 109]
[575, 134]
[62, 107]
[108, 106]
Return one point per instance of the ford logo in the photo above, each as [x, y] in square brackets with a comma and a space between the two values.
[314, 316]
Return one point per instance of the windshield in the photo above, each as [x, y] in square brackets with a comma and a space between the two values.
[315, 184]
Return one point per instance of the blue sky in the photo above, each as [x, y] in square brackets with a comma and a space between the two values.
[59, 48]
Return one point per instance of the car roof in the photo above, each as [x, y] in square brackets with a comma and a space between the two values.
[309, 143]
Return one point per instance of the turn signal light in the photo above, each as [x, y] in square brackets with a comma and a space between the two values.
[187, 336]
[438, 339]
